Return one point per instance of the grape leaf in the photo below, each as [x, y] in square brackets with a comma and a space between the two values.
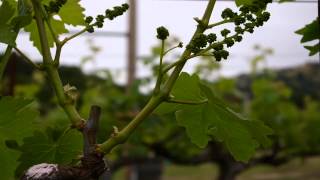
[57, 25]
[313, 49]
[214, 120]
[185, 88]
[72, 13]
[7, 11]
[55, 145]
[7, 35]
[16, 122]
[24, 14]
[12, 19]
[309, 33]
[243, 2]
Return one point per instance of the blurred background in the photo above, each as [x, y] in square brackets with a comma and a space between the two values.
[177, 16]
[269, 76]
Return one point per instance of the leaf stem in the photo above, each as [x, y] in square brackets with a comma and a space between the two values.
[47, 17]
[52, 71]
[124, 134]
[45, 49]
[53, 33]
[27, 59]
[73, 36]
[67, 39]
[4, 60]
[60, 44]
[219, 23]
[174, 64]
[160, 75]
[178, 101]
[167, 51]
[57, 55]
[6, 57]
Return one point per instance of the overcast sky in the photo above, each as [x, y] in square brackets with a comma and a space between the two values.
[177, 16]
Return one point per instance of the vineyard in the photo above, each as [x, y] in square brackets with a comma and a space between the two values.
[58, 122]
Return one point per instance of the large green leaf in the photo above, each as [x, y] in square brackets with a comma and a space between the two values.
[7, 36]
[243, 2]
[313, 49]
[13, 16]
[7, 11]
[57, 25]
[52, 146]
[214, 120]
[16, 122]
[24, 14]
[72, 13]
[310, 32]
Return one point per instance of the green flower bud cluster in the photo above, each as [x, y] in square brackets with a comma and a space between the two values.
[229, 42]
[249, 17]
[218, 48]
[218, 55]
[211, 38]
[109, 14]
[252, 23]
[225, 32]
[237, 38]
[99, 22]
[89, 19]
[162, 33]
[254, 13]
[228, 13]
[116, 11]
[54, 6]
[199, 42]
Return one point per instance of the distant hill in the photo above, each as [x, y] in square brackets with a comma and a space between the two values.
[303, 80]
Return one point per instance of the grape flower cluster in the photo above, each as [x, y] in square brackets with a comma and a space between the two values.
[162, 33]
[249, 17]
[109, 14]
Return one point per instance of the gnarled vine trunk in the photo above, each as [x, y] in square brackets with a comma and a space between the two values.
[229, 170]
[92, 163]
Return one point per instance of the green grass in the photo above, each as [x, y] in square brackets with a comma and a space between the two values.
[297, 169]
[203, 172]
